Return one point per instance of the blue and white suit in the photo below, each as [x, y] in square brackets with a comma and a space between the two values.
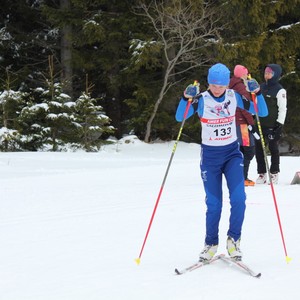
[220, 155]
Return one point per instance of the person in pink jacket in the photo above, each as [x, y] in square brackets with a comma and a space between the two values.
[244, 121]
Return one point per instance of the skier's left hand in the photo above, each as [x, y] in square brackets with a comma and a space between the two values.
[252, 86]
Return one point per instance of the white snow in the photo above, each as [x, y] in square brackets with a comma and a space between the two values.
[72, 224]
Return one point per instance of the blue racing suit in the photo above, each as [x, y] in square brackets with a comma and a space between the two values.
[220, 155]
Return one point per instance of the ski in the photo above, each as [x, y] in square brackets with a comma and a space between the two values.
[198, 265]
[231, 261]
[241, 265]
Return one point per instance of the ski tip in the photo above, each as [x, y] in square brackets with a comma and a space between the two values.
[288, 259]
[137, 261]
[258, 275]
[177, 272]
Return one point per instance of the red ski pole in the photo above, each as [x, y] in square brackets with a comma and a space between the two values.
[254, 99]
[138, 260]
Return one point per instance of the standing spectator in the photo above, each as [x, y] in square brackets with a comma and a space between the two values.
[244, 121]
[275, 96]
[220, 154]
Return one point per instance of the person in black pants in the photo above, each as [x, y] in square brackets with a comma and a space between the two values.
[275, 96]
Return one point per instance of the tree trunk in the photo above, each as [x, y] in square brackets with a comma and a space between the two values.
[66, 53]
[157, 103]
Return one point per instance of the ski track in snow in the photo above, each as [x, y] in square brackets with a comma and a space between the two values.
[71, 225]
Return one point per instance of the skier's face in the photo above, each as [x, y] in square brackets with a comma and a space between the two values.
[217, 90]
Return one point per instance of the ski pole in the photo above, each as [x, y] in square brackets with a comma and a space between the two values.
[138, 260]
[254, 99]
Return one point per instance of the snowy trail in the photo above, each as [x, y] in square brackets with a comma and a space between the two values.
[71, 225]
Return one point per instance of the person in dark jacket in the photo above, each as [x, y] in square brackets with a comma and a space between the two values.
[276, 98]
[244, 121]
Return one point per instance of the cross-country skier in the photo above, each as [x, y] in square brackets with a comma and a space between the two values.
[220, 153]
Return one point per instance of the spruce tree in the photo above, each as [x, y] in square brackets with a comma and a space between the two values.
[11, 103]
[47, 120]
[91, 123]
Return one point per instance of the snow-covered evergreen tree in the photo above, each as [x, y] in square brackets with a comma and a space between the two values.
[11, 103]
[47, 120]
[91, 122]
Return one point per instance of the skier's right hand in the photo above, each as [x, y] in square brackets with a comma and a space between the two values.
[192, 90]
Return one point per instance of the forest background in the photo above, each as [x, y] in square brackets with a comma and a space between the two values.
[76, 72]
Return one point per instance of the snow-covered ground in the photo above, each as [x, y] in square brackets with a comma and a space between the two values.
[72, 224]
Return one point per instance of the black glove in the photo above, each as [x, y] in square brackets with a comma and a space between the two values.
[276, 132]
[278, 126]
